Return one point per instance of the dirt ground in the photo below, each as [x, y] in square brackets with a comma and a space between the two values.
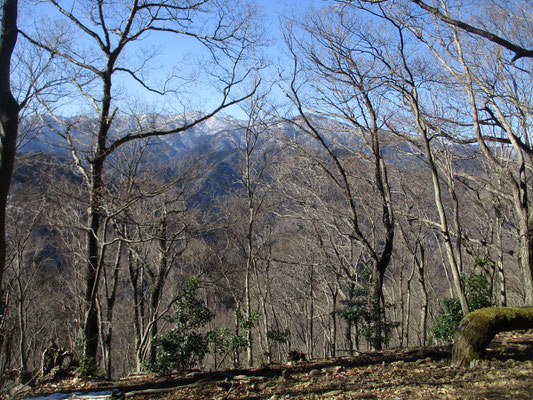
[414, 373]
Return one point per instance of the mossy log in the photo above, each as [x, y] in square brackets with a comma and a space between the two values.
[478, 328]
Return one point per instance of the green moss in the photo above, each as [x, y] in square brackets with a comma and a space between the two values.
[478, 328]
[500, 318]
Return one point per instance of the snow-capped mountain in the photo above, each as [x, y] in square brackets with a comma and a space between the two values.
[218, 134]
[57, 136]
[217, 141]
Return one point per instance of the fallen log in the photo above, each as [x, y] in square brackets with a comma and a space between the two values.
[479, 327]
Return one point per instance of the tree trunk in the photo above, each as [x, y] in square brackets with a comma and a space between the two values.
[502, 294]
[236, 355]
[425, 297]
[311, 316]
[111, 296]
[90, 329]
[157, 285]
[407, 319]
[133, 268]
[22, 326]
[267, 349]
[376, 308]
[526, 250]
[249, 263]
[477, 329]
[334, 324]
[9, 110]
[349, 341]
[445, 231]
[96, 189]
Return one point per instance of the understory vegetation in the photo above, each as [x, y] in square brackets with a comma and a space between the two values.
[372, 192]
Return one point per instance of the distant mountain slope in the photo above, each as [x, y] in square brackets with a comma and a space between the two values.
[215, 133]
[220, 140]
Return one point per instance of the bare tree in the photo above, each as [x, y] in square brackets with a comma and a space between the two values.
[513, 46]
[155, 242]
[409, 88]
[337, 84]
[495, 91]
[252, 171]
[21, 80]
[109, 30]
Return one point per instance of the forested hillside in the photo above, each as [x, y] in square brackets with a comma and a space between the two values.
[373, 190]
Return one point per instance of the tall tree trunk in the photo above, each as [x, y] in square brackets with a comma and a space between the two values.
[249, 263]
[22, 327]
[133, 268]
[382, 263]
[425, 297]
[96, 189]
[111, 296]
[267, 347]
[350, 345]
[157, 285]
[437, 193]
[311, 315]
[377, 309]
[90, 328]
[526, 237]
[519, 183]
[9, 110]
[407, 318]
[502, 294]
[334, 324]
[236, 354]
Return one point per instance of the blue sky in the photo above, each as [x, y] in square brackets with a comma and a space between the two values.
[182, 53]
[272, 9]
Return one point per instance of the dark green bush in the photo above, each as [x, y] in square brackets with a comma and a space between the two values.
[478, 296]
[185, 345]
[87, 368]
[477, 291]
[358, 310]
[447, 319]
[222, 342]
[278, 336]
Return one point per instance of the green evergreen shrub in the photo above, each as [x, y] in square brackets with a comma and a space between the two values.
[477, 292]
[87, 368]
[186, 344]
[358, 310]
[448, 318]
[222, 342]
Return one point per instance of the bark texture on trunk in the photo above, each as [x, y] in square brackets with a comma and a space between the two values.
[477, 329]
[9, 109]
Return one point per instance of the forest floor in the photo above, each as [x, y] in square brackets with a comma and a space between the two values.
[394, 374]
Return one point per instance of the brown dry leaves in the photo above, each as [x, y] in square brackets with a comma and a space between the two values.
[395, 381]
[414, 374]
